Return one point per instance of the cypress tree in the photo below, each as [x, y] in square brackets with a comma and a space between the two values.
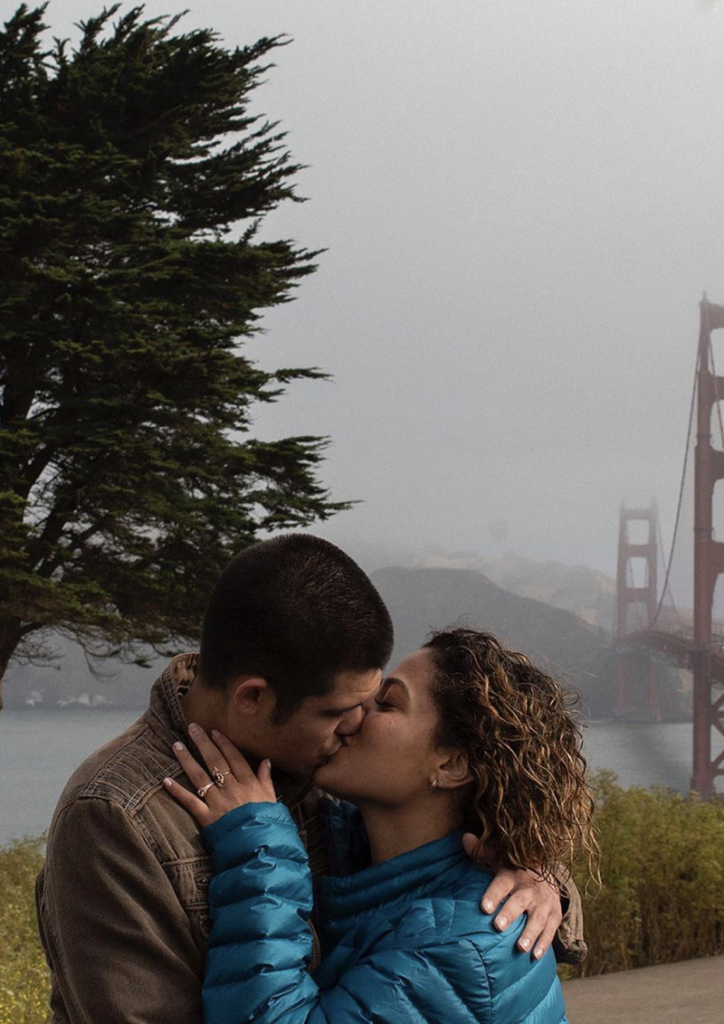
[133, 180]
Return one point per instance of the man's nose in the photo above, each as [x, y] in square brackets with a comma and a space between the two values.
[351, 721]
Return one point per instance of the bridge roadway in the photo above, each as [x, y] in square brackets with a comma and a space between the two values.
[691, 992]
[679, 647]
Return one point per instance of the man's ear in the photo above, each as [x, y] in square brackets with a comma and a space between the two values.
[251, 694]
[453, 770]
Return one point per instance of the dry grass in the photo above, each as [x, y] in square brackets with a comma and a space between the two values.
[24, 986]
[662, 872]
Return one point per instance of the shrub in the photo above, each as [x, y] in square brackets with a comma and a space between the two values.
[662, 873]
[24, 985]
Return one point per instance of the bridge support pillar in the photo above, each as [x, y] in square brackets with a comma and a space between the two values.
[708, 558]
[637, 694]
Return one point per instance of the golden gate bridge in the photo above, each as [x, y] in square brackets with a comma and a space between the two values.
[696, 643]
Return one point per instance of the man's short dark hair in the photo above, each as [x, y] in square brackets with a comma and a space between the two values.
[297, 611]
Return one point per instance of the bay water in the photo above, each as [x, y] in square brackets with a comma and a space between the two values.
[39, 749]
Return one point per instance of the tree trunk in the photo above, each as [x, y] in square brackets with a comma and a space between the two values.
[8, 642]
[3, 667]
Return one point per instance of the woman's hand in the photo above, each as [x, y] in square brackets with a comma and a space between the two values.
[228, 783]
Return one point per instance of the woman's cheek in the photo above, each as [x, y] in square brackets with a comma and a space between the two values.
[371, 720]
[385, 735]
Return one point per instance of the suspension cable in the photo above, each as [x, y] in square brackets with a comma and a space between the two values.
[717, 396]
[667, 586]
[681, 493]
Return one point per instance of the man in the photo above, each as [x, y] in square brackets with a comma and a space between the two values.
[293, 642]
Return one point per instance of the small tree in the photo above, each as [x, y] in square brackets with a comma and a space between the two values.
[125, 481]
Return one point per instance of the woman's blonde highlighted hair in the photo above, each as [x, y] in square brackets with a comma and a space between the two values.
[531, 804]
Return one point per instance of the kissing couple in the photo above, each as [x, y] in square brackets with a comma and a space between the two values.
[286, 836]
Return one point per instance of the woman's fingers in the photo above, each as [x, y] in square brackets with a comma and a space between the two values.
[241, 769]
[216, 763]
[192, 803]
[265, 780]
[236, 760]
[195, 773]
[228, 783]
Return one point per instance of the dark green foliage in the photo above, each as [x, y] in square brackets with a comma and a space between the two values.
[662, 869]
[132, 183]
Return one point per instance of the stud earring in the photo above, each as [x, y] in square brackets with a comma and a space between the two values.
[434, 784]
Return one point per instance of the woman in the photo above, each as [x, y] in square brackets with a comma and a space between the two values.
[463, 735]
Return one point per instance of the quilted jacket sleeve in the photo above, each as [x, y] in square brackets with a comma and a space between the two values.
[260, 943]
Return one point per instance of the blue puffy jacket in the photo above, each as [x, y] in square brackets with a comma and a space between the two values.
[407, 942]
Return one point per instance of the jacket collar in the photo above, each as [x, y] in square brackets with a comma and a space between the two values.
[382, 883]
[168, 690]
[166, 719]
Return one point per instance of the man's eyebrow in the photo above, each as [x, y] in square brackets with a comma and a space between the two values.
[342, 711]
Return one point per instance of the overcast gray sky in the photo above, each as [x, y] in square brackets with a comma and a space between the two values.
[522, 204]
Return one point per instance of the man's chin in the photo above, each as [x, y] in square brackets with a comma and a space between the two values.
[329, 758]
[330, 785]
[325, 772]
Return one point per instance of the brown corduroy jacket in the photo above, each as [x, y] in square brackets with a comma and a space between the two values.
[122, 898]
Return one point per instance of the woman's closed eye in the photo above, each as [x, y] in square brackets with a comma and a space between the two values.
[384, 705]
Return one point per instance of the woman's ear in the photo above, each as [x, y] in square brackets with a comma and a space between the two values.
[453, 771]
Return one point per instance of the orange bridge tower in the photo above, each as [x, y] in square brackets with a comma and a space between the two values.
[708, 558]
[637, 678]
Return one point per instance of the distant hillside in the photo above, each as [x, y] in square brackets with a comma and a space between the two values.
[420, 599]
[589, 594]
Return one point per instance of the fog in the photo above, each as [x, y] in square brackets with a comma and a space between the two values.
[522, 204]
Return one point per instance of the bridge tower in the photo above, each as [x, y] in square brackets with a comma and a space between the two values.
[637, 693]
[708, 558]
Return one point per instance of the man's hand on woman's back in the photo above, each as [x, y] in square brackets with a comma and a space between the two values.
[524, 892]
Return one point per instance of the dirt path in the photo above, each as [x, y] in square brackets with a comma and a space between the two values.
[687, 993]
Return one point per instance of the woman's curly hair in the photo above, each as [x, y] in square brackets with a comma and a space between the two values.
[531, 803]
